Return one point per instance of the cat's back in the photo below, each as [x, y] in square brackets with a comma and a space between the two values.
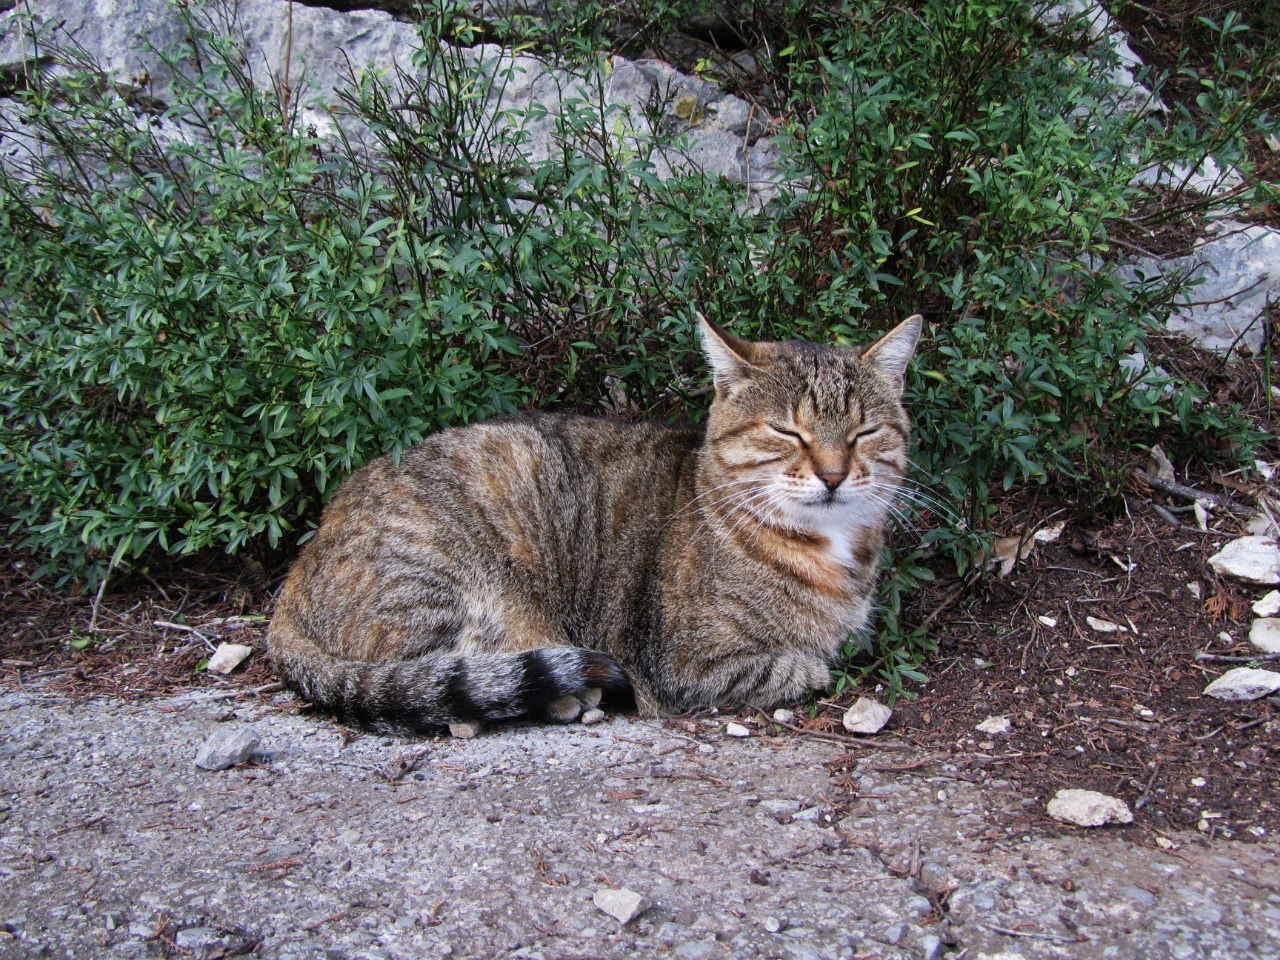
[543, 470]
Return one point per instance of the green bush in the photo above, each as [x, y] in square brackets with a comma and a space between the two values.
[207, 331]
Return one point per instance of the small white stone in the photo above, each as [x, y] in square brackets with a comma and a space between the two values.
[465, 729]
[995, 725]
[227, 657]
[866, 716]
[623, 905]
[782, 715]
[1088, 808]
[1193, 588]
[1265, 635]
[772, 924]
[736, 730]
[1268, 606]
[1105, 626]
[592, 716]
[1250, 559]
[1261, 525]
[1049, 622]
[1244, 683]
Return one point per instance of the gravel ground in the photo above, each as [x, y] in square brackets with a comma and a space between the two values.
[329, 845]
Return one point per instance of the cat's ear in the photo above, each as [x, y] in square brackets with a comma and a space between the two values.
[730, 358]
[892, 352]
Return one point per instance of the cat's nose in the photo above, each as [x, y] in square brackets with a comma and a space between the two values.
[832, 478]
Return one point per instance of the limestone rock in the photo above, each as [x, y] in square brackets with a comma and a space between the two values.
[592, 716]
[995, 725]
[228, 747]
[1265, 635]
[1251, 559]
[1244, 683]
[866, 716]
[465, 729]
[1240, 270]
[782, 715]
[736, 730]
[1088, 808]
[227, 657]
[1268, 606]
[623, 905]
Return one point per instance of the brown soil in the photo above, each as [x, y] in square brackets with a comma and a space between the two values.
[1120, 712]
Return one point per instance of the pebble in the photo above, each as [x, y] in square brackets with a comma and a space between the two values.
[1250, 559]
[697, 950]
[995, 725]
[623, 905]
[227, 657]
[930, 946]
[195, 938]
[783, 715]
[1268, 606]
[772, 924]
[736, 730]
[465, 729]
[1265, 634]
[778, 806]
[592, 716]
[866, 716]
[1244, 683]
[227, 747]
[1088, 808]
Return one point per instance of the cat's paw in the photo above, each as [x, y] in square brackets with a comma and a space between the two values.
[570, 708]
[564, 710]
[465, 729]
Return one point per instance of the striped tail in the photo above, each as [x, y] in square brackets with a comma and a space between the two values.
[423, 694]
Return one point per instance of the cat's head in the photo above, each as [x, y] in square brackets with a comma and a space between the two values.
[805, 434]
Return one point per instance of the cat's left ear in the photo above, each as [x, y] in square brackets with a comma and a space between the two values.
[730, 357]
[892, 352]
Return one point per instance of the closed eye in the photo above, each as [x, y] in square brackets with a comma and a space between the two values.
[863, 434]
[789, 434]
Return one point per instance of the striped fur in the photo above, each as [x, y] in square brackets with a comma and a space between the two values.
[528, 566]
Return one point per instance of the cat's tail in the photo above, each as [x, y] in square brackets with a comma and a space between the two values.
[426, 693]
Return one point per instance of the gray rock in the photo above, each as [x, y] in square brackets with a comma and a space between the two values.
[779, 806]
[465, 729]
[196, 938]
[782, 715]
[866, 716]
[1244, 683]
[1264, 634]
[623, 905]
[1240, 270]
[227, 747]
[1088, 808]
[930, 947]
[772, 924]
[1250, 559]
[698, 950]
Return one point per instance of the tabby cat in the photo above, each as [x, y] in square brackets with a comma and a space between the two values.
[527, 566]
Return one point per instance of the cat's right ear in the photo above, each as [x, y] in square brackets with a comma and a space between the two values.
[730, 358]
